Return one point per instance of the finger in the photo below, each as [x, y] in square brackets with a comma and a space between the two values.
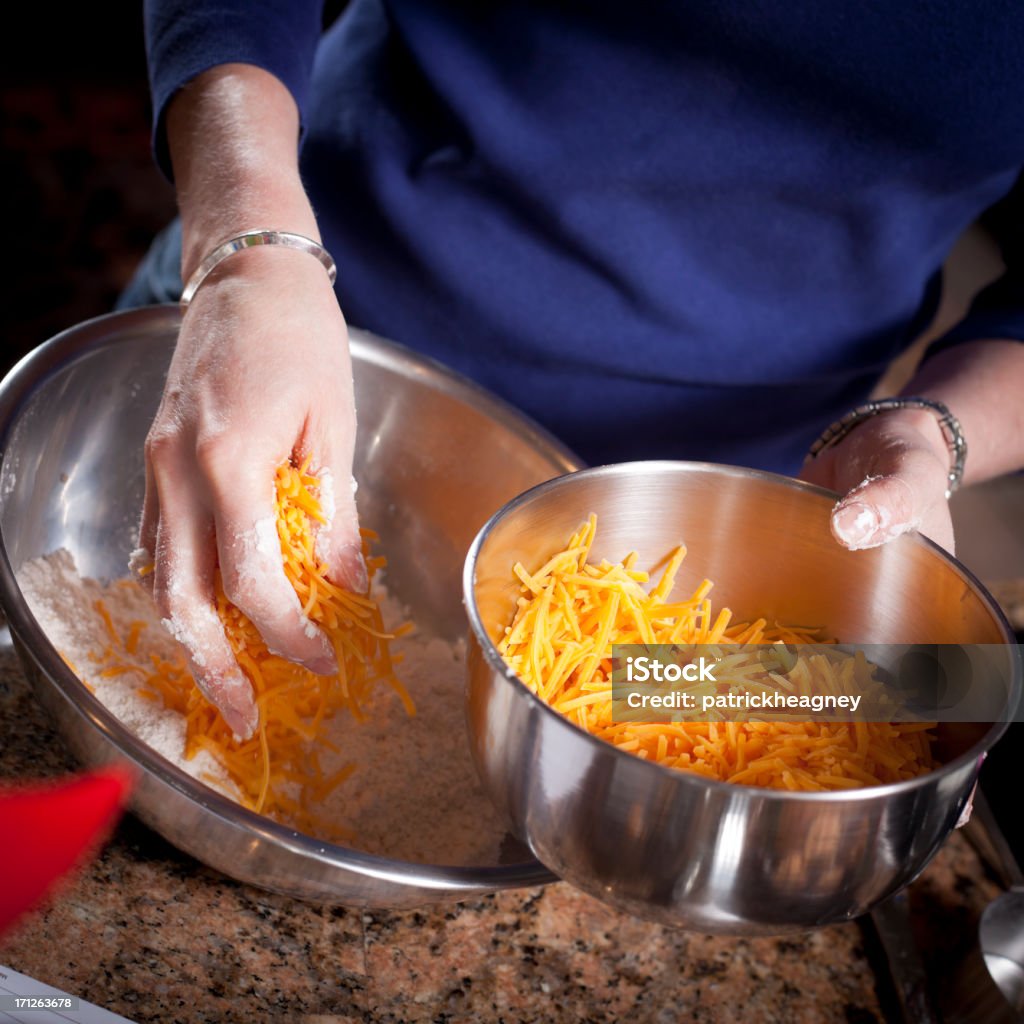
[331, 445]
[338, 542]
[875, 511]
[140, 561]
[251, 565]
[906, 493]
[184, 593]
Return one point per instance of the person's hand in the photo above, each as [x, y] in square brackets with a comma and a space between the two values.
[892, 472]
[261, 373]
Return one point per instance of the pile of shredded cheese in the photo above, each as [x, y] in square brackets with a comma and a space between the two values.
[571, 612]
[278, 770]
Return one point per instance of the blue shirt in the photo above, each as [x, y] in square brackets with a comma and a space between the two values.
[664, 230]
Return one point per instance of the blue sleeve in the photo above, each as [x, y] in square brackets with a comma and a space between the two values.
[998, 310]
[186, 37]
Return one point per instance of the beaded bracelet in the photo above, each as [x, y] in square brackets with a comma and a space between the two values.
[948, 423]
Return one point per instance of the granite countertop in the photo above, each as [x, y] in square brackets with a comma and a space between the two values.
[147, 932]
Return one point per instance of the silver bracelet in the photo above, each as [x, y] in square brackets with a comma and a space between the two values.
[948, 423]
[259, 236]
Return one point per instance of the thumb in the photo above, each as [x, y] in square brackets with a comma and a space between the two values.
[338, 542]
[908, 493]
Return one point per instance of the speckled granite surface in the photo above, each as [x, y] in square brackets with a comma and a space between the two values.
[149, 933]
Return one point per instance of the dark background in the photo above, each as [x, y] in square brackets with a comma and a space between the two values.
[82, 197]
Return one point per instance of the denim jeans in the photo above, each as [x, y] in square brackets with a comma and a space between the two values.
[158, 277]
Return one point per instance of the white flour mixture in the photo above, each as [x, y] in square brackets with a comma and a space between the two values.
[415, 795]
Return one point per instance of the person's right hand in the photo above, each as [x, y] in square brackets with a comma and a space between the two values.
[261, 373]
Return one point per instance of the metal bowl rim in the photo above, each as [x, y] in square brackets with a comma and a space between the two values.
[17, 387]
[497, 664]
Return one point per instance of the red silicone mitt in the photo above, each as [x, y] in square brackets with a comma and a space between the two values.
[46, 829]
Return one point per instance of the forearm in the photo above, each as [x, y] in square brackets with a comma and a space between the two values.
[233, 138]
[982, 383]
[261, 374]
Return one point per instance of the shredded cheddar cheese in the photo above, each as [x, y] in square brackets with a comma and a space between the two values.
[569, 614]
[277, 771]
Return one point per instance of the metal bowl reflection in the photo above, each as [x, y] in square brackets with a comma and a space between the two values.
[73, 416]
[671, 845]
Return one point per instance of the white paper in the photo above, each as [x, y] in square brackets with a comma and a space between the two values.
[14, 984]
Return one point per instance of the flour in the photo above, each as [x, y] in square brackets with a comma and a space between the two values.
[328, 506]
[267, 543]
[64, 605]
[414, 796]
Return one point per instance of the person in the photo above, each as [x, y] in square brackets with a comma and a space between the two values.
[674, 231]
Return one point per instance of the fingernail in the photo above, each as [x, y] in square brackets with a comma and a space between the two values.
[241, 720]
[323, 666]
[855, 524]
[353, 568]
[231, 694]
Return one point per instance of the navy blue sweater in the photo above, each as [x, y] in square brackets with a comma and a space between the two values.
[691, 230]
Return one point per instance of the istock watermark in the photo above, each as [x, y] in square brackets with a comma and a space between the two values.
[661, 683]
[642, 668]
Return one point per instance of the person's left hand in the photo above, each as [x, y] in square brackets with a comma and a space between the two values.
[892, 472]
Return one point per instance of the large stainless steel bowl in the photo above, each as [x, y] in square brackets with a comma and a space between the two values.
[671, 845]
[436, 456]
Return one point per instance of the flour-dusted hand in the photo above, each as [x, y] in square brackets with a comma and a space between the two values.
[261, 374]
[892, 471]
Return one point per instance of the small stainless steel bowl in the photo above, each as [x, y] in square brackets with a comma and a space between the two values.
[674, 846]
[435, 457]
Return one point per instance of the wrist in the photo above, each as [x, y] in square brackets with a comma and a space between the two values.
[275, 206]
[233, 138]
[926, 424]
[213, 266]
[888, 408]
